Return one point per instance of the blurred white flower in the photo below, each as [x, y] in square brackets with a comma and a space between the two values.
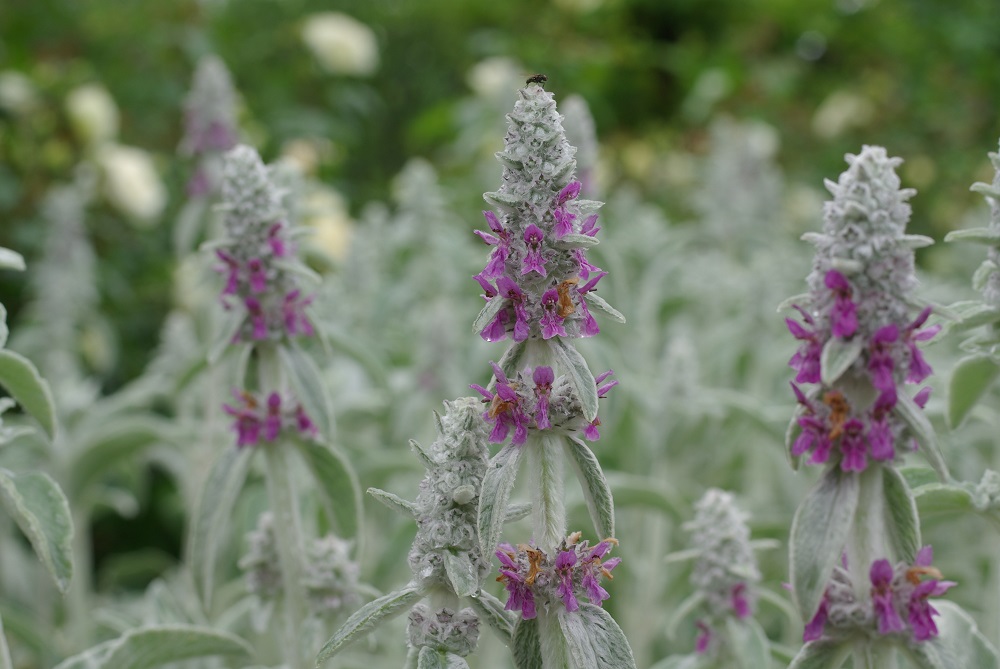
[325, 211]
[17, 93]
[840, 111]
[92, 113]
[341, 44]
[495, 76]
[131, 184]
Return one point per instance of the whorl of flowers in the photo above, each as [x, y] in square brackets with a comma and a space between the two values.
[260, 563]
[446, 504]
[898, 602]
[256, 253]
[443, 630]
[543, 402]
[331, 576]
[535, 579]
[859, 305]
[257, 420]
[726, 572]
[209, 121]
[537, 279]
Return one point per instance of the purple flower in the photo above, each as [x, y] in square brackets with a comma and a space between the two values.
[257, 318]
[806, 360]
[881, 576]
[563, 222]
[552, 319]
[506, 410]
[853, 447]
[919, 611]
[272, 423]
[258, 275]
[603, 390]
[496, 330]
[520, 597]
[738, 600]
[704, 637]
[276, 242]
[293, 313]
[843, 317]
[580, 255]
[501, 240]
[569, 192]
[533, 260]
[543, 378]
[247, 423]
[880, 430]
[919, 369]
[303, 423]
[509, 290]
[488, 290]
[565, 562]
[232, 269]
[590, 227]
[814, 629]
[880, 361]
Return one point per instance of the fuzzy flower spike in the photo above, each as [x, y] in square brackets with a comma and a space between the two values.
[859, 330]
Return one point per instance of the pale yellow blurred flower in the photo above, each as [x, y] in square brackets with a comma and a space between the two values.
[130, 183]
[841, 111]
[92, 114]
[341, 44]
[495, 76]
[325, 211]
[17, 93]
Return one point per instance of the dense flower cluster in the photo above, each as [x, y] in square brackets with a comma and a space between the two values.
[859, 309]
[898, 603]
[331, 576]
[446, 505]
[256, 419]
[257, 255]
[260, 563]
[544, 403]
[535, 579]
[538, 279]
[209, 123]
[726, 572]
[443, 630]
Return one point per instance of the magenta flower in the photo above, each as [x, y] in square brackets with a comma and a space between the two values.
[258, 320]
[806, 360]
[565, 562]
[919, 611]
[533, 260]
[563, 222]
[520, 597]
[880, 360]
[552, 319]
[881, 576]
[704, 637]
[843, 317]
[506, 410]
[918, 369]
[497, 263]
[569, 192]
[509, 290]
[543, 378]
[853, 447]
[232, 270]
[739, 601]
[247, 423]
[258, 275]
[272, 423]
[293, 313]
[814, 629]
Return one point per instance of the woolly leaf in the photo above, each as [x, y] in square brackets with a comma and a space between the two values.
[595, 487]
[225, 331]
[394, 502]
[943, 498]
[429, 658]
[31, 391]
[922, 431]
[576, 241]
[213, 515]
[901, 521]
[40, 509]
[594, 640]
[819, 531]
[368, 617]
[495, 495]
[492, 610]
[837, 357]
[146, 647]
[974, 235]
[11, 260]
[821, 655]
[749, 644]
[116, 440]
[309, 387]
[970, 379]
[596, 300]
[525, 644]
[575, 367]
[337, 484]
[488, 313]
[517, 512]
[462, 573]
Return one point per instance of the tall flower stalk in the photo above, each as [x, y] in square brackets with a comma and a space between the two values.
[859, 574]
[279, 406]
[539, 289]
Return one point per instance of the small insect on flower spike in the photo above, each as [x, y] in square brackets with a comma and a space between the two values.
[539, 79]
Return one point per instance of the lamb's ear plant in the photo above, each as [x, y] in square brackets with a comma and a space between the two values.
[539, 289]
[860, 575]
[726, 581]
[279, 404]
[31, 498]
[444, 597]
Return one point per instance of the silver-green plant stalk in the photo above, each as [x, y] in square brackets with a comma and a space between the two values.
[539, 289]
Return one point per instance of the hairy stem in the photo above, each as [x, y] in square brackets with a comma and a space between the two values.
[548, 515]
